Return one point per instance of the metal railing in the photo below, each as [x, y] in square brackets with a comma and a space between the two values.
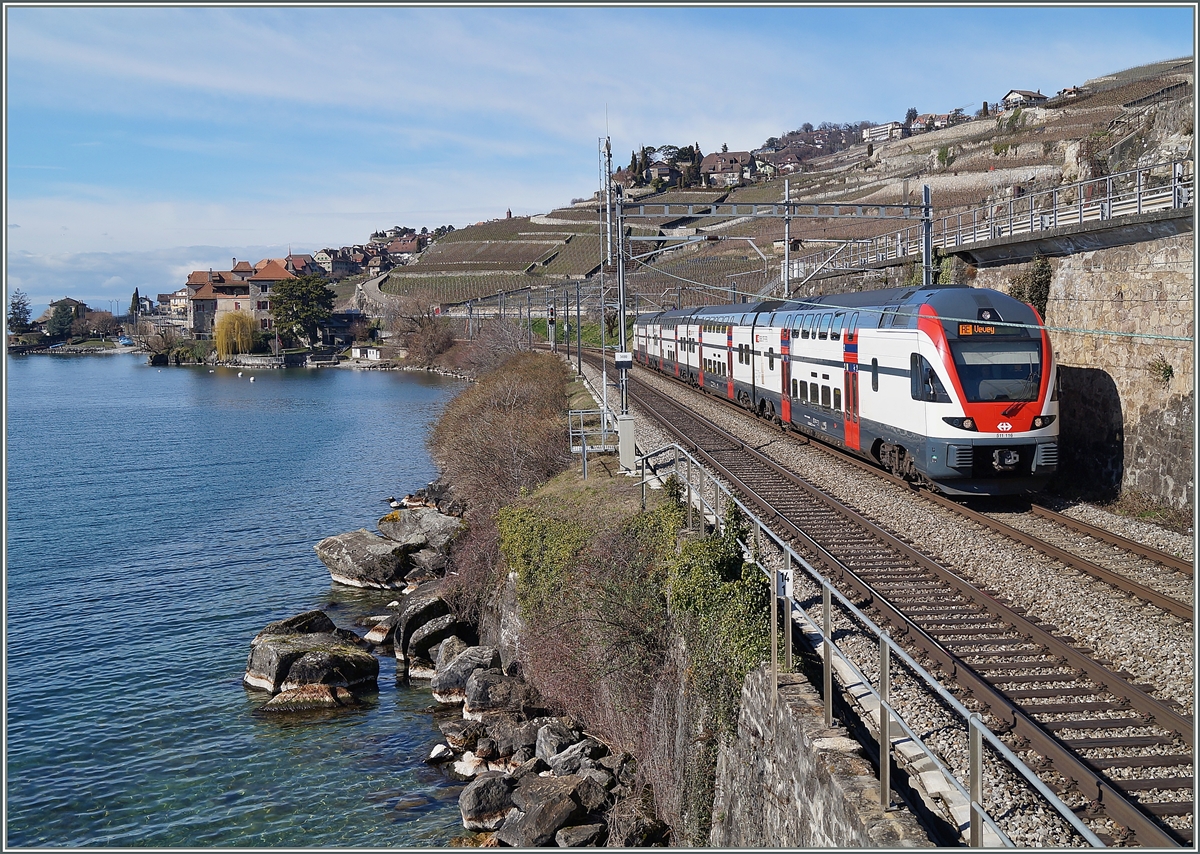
[1138, 191]
[685, 467]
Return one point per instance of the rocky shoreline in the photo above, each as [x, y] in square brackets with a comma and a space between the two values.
[534, 778]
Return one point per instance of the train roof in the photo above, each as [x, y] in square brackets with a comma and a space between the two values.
[951, 302]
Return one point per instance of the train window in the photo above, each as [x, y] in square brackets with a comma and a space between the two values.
[853, 327]
[836, 332]
[807, 327]
[794, 389]
[825, 321]
[874, 375]
[825, 396]
[885, 318]
[837, 399]
[995, 370]
[924, 382]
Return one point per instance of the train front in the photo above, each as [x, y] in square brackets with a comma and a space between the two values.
[999, 436]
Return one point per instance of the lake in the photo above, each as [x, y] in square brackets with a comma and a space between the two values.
[157, 519]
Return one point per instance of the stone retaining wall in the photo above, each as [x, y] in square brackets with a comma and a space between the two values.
[789, 781]
[1118, 317]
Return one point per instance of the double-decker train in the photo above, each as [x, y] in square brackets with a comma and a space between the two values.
[952, 387]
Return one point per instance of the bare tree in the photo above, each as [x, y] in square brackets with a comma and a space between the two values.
[418, 324]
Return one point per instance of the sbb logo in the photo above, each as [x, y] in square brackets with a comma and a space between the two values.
[1004, 427]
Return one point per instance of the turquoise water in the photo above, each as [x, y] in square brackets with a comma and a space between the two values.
[156, 520]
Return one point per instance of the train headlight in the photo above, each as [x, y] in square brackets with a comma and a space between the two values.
[961, 423]
[1043, 421]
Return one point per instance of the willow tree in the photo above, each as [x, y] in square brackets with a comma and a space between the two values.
[233, 333]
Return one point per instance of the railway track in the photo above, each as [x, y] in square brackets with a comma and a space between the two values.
[1125, 751]
[1162, 590]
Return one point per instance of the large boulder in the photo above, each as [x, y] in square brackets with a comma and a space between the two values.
[462, 734]
[486, 802]
[333, 664]
[308, 649]
[491, 691]
[450, 682]
[555, 737]
[425, 639]
[422, 605]
[577, 757]
[362, 559]
[544, 806]
[580, 836]
[420, 527]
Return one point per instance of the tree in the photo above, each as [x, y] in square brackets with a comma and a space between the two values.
[60, 321]
[80, 327]
[300, 305]
[724, 147]
[135, 304]
[806, 127]
[103, 322]
[910, 116]
[18, 312]
[984, 112]
[233, 333]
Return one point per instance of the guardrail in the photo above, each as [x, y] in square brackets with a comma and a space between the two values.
[982, 829]
[1137, 191]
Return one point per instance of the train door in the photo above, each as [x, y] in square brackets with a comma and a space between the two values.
[729, 361]
[850, 380]
[785, 368]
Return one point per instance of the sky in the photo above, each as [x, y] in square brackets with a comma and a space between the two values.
[145, 142]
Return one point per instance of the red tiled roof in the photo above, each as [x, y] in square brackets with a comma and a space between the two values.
[242, 267]
[200, 277]
[272, 271]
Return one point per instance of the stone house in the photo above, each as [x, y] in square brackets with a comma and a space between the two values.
[665, 172]
[727, 168]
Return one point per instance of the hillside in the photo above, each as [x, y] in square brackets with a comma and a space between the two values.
[1138, 118]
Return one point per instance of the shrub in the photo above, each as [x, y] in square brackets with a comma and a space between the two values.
[1033, 285]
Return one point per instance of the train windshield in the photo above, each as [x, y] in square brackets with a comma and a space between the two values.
[995, 370]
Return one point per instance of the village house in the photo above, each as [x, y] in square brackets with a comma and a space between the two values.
[211, 294]
[1022, 98]
[664, 172]
[884, 132]
[78, 310]
[727, 168]
[334, 262]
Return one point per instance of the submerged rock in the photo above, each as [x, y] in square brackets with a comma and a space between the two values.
[307, 698]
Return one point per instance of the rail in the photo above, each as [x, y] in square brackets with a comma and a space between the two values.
[784, 583]
[1138, 191]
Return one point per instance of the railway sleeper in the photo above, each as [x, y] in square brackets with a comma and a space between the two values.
[1164, 760]
[1030, 678]
[1114, 705]
[1042, 693]
[1094, 723]
[1118, 741]
[1163, 783]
